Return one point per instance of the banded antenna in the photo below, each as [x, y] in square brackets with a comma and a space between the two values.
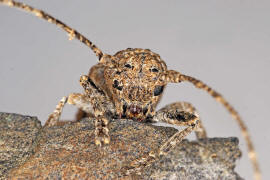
[43, 15]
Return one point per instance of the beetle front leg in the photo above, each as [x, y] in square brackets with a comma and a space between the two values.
[177, 113]
[101, 106]
[101, 130]
[139, 164]
[180, 114]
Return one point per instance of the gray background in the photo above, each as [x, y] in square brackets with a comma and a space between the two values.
[224, 43]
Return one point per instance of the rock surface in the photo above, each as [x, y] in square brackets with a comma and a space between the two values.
[68, 152]
[18, 137]
[205, 159]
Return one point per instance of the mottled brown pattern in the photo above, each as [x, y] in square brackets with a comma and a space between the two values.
[130, 84]
[68, 152]
[177, 113]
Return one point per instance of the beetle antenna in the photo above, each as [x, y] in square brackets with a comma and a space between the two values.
[176, 77]
[43, 15]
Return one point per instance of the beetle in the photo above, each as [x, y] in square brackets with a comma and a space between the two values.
[130, 84]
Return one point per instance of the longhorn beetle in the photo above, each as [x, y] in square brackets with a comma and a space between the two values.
[130, 84]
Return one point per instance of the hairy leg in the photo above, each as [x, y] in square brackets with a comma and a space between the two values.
[94, 101]
[79, 100]
[176, 77]
[174, 114]
[101, 107]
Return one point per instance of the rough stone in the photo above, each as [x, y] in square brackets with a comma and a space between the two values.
[68, 152]
[212, 158]
[18, 138]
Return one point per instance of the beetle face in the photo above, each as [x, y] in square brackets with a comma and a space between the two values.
[135, 82]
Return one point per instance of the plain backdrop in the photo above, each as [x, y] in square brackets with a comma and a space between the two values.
[225, 43]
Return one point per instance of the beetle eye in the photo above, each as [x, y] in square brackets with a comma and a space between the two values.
[116, 85]
[158, 90]
[154, 69]
[128, 66]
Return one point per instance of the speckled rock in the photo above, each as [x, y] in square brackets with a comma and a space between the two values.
[212, 158]
[18, 138]
[68, 152]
